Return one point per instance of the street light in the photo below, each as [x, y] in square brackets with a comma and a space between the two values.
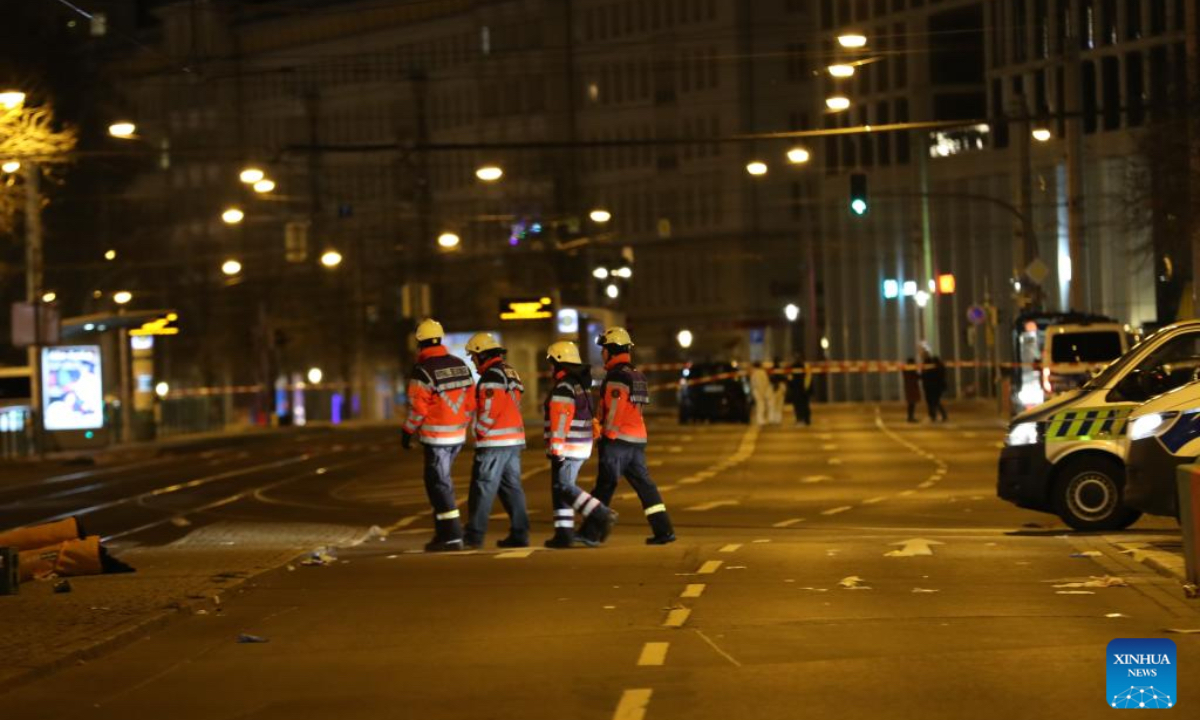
[448, 240]
[837, 103]
[612, 291]
[600, 215]
[251, 175]
[49, 297]
[852, 41]
[265, 185]
[756, 168]
[12, 99]
[841, 71]
[623, 272]
[798, 155]
[233, 216]
[122, 297]
[922, 298]
[231, 267]
[1042, 134]
[685, 339]
[331, 258]
[123, 130]
[11, 166]
[600, 273]
[489, 173]
[791, 311]
[161, 389]
[110, 255]
[315, 375]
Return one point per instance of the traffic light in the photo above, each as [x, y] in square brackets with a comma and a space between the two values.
[858, 194]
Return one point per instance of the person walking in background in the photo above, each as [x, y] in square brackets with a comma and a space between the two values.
[778, 392]
[933, 382]
[912, 388]
[799, 392]
[760, 390]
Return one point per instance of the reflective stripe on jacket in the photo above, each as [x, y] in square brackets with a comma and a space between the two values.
[622, 396]
[441, 398]
[568, 419]
[498, 422]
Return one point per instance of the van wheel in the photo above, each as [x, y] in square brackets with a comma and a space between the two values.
[1089, 495]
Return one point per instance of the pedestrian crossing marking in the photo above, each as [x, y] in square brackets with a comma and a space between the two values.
[677, 617]
[633, 704]
[710, 567]
[704, 507]
[732, 547]
[693, 590]
[653, 654]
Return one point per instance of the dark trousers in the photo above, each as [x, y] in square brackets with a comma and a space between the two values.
[912, 410]
[803, 410]
[621, 459]
[496, 471]
[439, 487]
[934, 401]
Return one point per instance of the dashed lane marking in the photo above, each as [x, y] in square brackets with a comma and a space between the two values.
[906, 493]
[693, 590]
[927, 484]
[836, 510]
[732, 547]
[788, 523]
[710, 567]
[872, 501]
[810, 479]
[653, 654]
[835, 461]
[633, 704]
[515, 554]
[704, 507]
[677, 617]
[691, 480]
[829, 446]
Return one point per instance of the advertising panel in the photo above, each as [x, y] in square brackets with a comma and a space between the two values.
[72, 389]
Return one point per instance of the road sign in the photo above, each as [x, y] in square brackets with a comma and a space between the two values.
[1037, 271]
[526, 308]
[35, 324]
[976, 315]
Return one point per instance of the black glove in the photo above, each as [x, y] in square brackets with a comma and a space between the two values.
[406, 440]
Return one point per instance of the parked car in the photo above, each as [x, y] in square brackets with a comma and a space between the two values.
[1163, 434]
[1074, 352]
[713, 392]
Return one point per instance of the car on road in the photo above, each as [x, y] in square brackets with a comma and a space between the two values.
[1073, 352]
[1163, 434]
[1067, 456]
[713, 392]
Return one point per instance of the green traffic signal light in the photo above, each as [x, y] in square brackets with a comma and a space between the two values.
[858, 206]
[858, 194]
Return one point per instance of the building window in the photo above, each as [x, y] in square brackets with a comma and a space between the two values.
[903, 154]
[831, 149]
[1020, 30]
[862, 10]
[827, 19]
[866, 143]
[1087, 24]
[1108, 33]
[1089, 97]
[1041, 29]
[797, 63]
[882, 117]
[1110, 84]
[880, 69]
[1133, 19]
[1135, 100]
[1158, 17]
[901, 59]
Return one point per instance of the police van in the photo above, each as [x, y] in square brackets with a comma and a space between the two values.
[1067, 456]
[1163, 434]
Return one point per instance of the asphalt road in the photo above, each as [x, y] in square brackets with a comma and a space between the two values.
[800, 586]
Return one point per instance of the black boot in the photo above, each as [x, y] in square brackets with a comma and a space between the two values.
[513, 541]
[664, 533]
[448, 536]
[436, 546]
[597, 527]
[563, 538]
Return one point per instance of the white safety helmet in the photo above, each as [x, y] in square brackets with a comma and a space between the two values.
[564, 352]
[615, 336]
[430, 329]
[482, 342]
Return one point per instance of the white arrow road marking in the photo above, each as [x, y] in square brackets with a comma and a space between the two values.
[703, 507]
[653, 653]
[913, 547]
[788, 523]
[633, 704]
[836, 510]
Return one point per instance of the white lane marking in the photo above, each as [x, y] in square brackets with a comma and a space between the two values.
[677, 617]
[705, 474]
[655, 463]
[411, 531]
[835, 461]
[906, 493]
[788, 523]
[829, 446]
[872, 501]
[927, 484]
[404, 522]
[810, 479]
[514, 554]
[836, 510]
[720, 652]
[710, 567]
[675, 449]
[691, 480]
[540, 469]
[704, 507]
[653, 654]
[693, 590]
[633, 704]
[732, 547]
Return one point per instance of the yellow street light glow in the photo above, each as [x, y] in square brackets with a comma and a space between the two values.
[1042, 134]
[265, 185]
[231, 267]
[623, 272]
[798, 155]
[123, 130]
[600, 273]
[612, 291]
[122, 297]
[251, 175]
[838, 103]
[11, 166]
[841, 71]
[233, 216]
[685, 339]
[756, 168]
[49, 297]
[791, 311]
[852, 40]
[331, 258]
[12, 99]
[161, 389]
[448, 240]
[315, 375]
[489, 173]
[110, 255]
[600, 215]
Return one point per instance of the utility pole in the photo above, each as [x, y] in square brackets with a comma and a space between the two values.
[1074, 160]
[33, 295]
[1193, 115]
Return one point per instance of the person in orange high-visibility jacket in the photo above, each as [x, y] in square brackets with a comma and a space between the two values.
[623, 434]
[499, 440]
[569, 445]
[441, 404]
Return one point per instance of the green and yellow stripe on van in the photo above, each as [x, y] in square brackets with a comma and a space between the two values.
[1084, 424]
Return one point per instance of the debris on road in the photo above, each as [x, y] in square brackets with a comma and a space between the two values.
[912, 548]
[320, 556]
[62, 586]
[60, 549]
[1087, 554]
[1106, 581]
[376, 533]
[923, 590]
[248, 639]
[1074, 592]
[1116, 615]
[853, 582]
[1183, 631]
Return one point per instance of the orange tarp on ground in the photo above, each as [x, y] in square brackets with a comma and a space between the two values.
[71, 557]
[40, 536]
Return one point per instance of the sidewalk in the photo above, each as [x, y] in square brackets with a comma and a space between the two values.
[41, 631]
